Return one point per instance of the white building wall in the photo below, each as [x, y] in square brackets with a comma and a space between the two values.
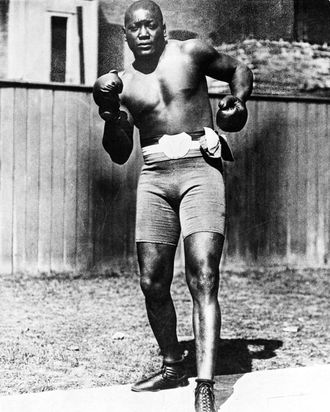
[29, 39]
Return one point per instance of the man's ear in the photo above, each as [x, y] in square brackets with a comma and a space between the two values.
[124, 31]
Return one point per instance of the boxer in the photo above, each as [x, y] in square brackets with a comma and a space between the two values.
[181, 190]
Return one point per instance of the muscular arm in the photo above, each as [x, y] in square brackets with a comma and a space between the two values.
[223, 67]
[238, 75]
[118, 139]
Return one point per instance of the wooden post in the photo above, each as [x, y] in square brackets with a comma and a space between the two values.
[81, 44]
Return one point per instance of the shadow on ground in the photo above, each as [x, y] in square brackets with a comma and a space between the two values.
[234, 355]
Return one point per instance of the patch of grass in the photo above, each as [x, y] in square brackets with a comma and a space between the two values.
[71, 331]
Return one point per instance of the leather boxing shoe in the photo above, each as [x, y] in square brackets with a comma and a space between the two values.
[172, 375]
[204, 396]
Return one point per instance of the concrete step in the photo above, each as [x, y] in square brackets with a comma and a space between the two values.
[283, 390]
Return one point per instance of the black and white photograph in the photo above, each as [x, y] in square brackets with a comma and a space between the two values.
[164, 205]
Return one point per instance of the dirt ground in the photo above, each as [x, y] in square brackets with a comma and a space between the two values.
[65, 331]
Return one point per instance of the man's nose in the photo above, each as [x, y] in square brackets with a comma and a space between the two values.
[143, 32]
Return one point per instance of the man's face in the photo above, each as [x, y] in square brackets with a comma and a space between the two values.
[144, 33]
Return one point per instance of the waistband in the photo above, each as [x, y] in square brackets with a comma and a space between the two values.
[181, 145]
[150, 141]
[173, 146]
[151, 158]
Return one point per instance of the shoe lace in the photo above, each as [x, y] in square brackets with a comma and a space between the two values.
[206, 397]
[168, 372]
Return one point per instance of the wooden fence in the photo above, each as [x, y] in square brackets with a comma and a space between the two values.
[278, 189]
[66, 207]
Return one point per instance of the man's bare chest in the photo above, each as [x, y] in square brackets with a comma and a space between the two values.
[166, 85]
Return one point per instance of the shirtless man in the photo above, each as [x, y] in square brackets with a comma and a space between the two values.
[164, 94]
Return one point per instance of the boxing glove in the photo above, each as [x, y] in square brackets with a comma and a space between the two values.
[106, 92]
[232, 114]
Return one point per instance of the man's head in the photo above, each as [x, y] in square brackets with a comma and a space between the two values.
[144, 29]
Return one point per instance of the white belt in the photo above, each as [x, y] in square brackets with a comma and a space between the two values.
[173, 146]
[178, 145]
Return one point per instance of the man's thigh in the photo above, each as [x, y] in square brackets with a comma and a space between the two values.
[156, 220]
[202, 207]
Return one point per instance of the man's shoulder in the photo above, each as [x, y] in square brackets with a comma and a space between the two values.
[185, 45]
[195, 48]
[126, 71]
[127, 74]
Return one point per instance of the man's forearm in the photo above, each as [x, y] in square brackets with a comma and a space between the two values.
[241, 83]
[118, 140]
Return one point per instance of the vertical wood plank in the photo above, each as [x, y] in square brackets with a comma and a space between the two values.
[119, 215]
[98, 157]
[292, 186]
[263, 185]
[312, 182]
[234, 193]
[251, 225]
[84, 245]
[302, 179]
[271, 169]
[70, 176]
[261, 213]
[281, 155]
[327, 196]
[107, 191]
[256, 206]
[58, 181]
[45, 179]
[32, 176]
[323, 190]
[91, 261]
[243, 148]
[95, 148]
[7, 178]
[244, 228]
[113, 230]
[112, 181]
[19, 205]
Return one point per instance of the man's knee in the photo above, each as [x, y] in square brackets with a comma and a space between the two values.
[152, 289]
[203, 279]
